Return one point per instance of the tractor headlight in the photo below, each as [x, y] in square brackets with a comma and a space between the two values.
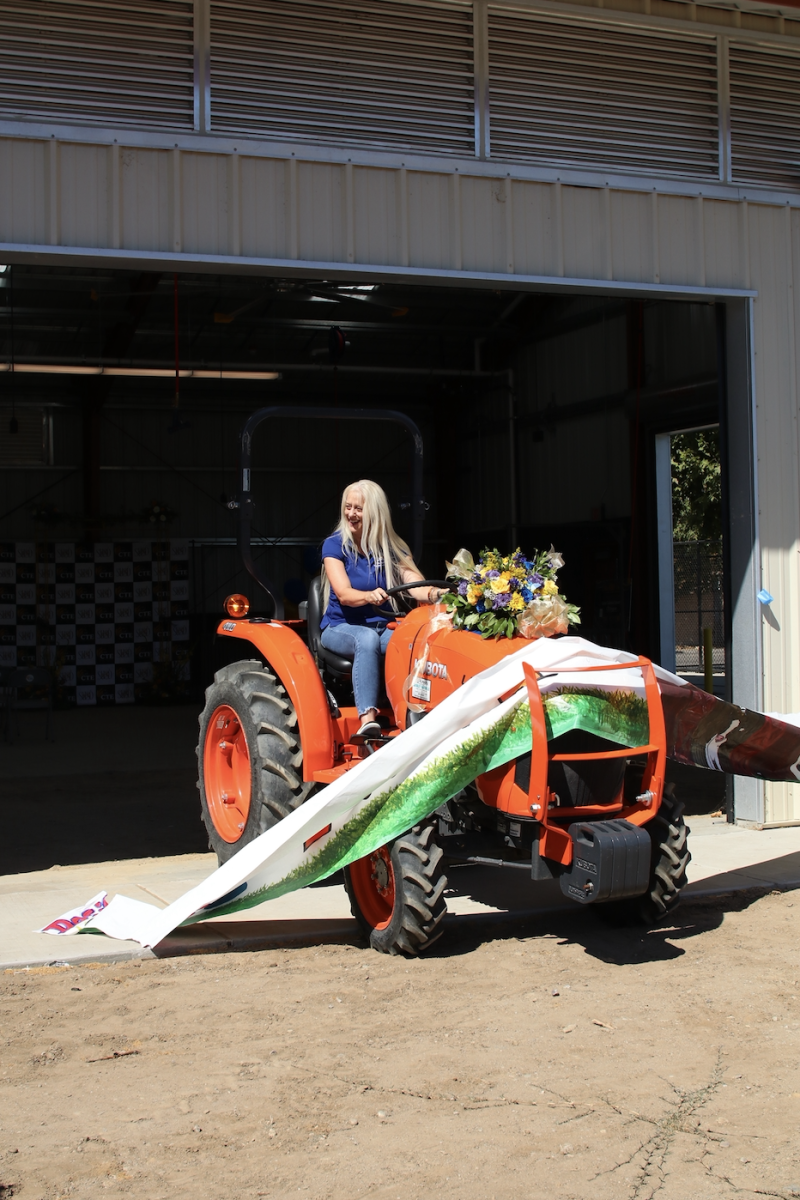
[237, 605]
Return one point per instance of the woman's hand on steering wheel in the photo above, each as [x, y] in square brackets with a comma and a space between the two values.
[439, 585]
[377, 597]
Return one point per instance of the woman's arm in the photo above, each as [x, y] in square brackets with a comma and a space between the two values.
[421, 595]
[348, 595]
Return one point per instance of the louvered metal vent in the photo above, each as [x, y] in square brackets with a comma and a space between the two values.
[621, 99]
[765, 115]
[98, 61]
[377, 72]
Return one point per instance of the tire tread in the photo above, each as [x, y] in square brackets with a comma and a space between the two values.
[420, 904]
[278, 787]
[671, 857]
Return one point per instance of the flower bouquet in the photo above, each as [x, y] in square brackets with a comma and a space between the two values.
[501, 595]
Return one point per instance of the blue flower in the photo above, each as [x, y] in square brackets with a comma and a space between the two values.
[527, 595]
[480, 606]
[535, 580]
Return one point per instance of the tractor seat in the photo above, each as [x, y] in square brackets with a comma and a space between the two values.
[340, 668]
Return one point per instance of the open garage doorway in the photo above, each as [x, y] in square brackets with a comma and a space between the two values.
[539, 414]
[692, 555]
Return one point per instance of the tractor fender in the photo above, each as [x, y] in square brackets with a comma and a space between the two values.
[294, 665]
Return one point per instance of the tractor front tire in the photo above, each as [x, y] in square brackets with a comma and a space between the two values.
[671, 856]
[249, 758]
[397, 893]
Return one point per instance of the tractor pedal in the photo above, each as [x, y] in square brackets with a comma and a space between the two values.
[360, 739]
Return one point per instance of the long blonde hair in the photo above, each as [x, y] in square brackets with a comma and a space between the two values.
[379, 542]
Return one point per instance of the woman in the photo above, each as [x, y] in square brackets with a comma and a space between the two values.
[361, 560]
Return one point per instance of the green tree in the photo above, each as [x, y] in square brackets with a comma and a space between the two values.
[696, 486]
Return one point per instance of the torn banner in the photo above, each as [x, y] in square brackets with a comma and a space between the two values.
[469, 733]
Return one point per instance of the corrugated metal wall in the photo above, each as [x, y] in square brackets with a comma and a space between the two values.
[583, 464]
[434, 77]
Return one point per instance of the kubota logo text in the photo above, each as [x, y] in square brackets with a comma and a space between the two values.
[433, 669]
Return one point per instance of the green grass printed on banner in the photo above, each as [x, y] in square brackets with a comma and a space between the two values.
[619, 716]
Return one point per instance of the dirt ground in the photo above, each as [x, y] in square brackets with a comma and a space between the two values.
[557, 1059]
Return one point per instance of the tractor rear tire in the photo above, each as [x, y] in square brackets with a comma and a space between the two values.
[249, 758]
[670, 858]
[397, 893]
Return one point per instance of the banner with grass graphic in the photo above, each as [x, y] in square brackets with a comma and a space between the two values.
[470, 733]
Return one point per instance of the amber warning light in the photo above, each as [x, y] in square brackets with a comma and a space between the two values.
[237, 605]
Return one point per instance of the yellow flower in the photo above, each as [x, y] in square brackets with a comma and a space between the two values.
[501, 583]
[516, 603]
[474, 593]
[550, 587]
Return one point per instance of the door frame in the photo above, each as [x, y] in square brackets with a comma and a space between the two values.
[738, 452]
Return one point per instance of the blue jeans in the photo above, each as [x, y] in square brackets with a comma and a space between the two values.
[366, 647]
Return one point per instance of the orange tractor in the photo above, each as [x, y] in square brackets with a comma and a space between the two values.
[277, 726]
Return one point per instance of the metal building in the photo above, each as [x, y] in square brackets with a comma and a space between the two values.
[609, 176]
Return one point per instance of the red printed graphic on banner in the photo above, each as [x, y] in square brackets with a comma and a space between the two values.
[70, 921]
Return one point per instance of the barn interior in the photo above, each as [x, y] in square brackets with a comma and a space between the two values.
[539, 413]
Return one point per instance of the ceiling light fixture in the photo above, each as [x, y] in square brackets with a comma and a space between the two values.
[133, 372]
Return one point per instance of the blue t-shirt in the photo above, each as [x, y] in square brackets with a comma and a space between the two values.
[363, 576]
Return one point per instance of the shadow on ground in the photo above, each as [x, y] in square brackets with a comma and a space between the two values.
[615, 942]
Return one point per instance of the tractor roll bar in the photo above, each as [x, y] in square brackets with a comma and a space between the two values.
[329, 414]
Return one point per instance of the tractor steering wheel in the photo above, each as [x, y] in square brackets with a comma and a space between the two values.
[415, 583]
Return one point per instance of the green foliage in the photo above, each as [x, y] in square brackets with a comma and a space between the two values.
[696, 486]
